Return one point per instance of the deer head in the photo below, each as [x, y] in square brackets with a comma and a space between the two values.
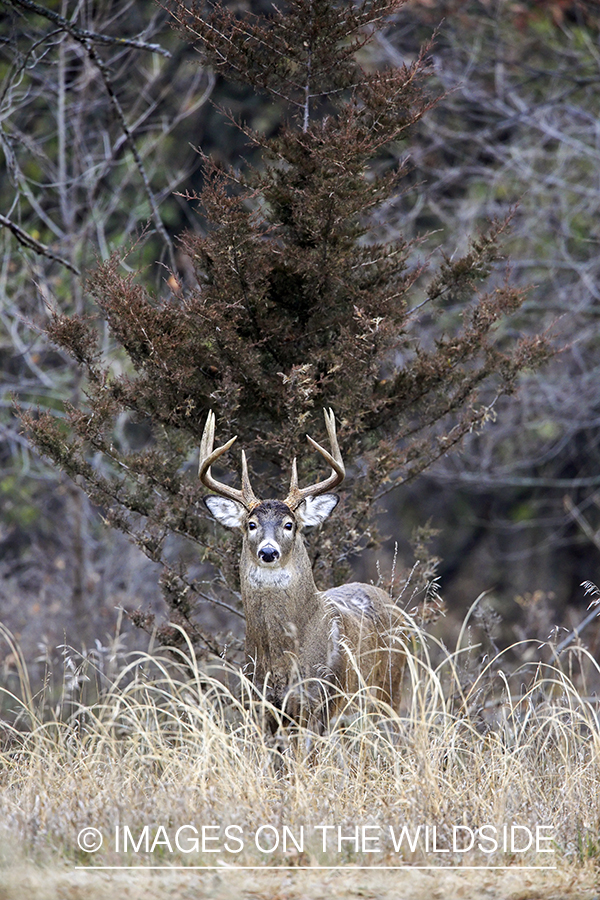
[270, 527]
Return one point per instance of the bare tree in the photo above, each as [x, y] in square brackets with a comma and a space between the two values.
[92, 99]
[517, 130]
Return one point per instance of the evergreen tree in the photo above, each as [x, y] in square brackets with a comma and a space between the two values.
[295, 306]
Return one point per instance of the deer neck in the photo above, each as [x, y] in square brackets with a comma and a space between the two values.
[281, 605]
[288, 589]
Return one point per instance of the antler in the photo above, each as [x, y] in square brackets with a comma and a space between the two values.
[296, 494]
[208, 456]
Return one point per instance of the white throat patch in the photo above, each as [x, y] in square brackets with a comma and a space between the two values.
[271, 576]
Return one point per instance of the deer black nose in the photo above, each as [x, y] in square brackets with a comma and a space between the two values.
[268, 554]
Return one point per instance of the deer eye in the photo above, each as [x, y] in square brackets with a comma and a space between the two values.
[252, 526]
[288, 526]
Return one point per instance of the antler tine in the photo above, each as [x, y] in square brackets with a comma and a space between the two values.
[208, 437]
[294, 478]
[250, 497]
[296, 494]
[208, 456]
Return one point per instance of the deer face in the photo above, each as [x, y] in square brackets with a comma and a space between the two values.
[270, 529]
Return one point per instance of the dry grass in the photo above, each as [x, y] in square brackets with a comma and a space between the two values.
[165, 751]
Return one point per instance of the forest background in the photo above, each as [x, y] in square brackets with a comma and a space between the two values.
[516, 509]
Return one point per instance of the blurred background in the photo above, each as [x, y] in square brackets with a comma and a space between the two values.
[102, 111]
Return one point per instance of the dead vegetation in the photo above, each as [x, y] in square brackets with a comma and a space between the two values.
[170, 764]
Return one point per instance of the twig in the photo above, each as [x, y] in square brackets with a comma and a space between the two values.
[27, 241]
[134, 150]
[576, 631]
[583, 523]
[82, 34]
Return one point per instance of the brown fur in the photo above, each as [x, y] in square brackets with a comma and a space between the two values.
[305, 646]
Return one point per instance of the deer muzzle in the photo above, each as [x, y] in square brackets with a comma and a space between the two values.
[268, 553]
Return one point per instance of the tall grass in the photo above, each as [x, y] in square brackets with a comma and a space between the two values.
[167, 753]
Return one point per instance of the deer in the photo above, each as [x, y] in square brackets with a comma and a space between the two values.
[305, 648]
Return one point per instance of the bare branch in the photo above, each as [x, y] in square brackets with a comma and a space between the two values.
[32, 244]
[135, 152]
[82, 34]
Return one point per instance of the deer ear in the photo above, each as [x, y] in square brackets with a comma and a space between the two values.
[228, 512]
[315, 510]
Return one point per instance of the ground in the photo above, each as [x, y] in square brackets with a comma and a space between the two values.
[33, 883]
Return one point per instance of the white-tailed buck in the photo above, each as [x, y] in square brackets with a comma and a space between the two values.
[304, 646]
